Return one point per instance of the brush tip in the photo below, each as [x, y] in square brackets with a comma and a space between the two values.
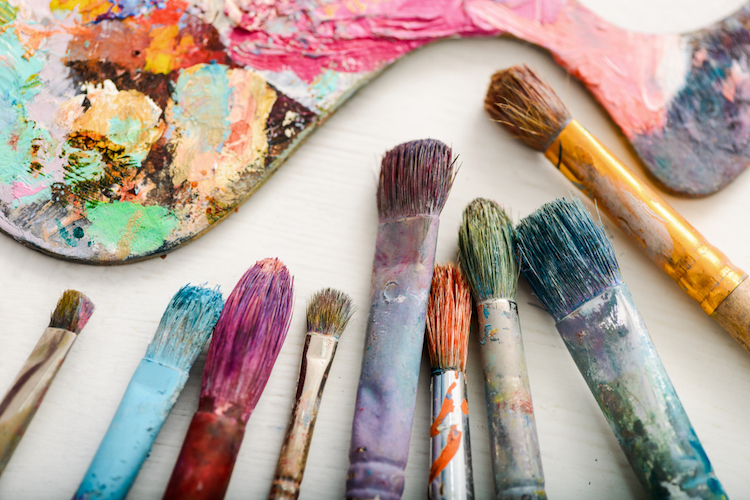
[185, 326]
[486, 240]
[415, 179]
[248, 338]
[566, 257]
[448, 319]
[526, 107]
[72, 312]
[328, 312]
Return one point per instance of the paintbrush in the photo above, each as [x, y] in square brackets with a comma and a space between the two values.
[328, 313]
[486, 242]
[531, 112]
[415, 179]
[448, 322]
[571, 267]
[28, 389]
[153, 390]
[246, 341]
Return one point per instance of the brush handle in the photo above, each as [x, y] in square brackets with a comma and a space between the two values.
[207, 457]
[25, 395]
[611, 346]
[402, 272]
[317, 358]
[734, 314]
[451, 476]
[701, 269]
[514, 445]
[150, 396]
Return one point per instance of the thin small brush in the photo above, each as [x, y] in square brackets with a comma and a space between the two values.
[529, 109]
[448, 323]
[246, 341]
[153, 390]
[328, 313]
[415, 179]
[25, 395]
[571, 266]
[486, 241]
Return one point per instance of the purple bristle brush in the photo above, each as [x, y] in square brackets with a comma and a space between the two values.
[246, 341]
[415, 179]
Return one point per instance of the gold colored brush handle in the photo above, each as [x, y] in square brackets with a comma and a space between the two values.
[700, 269]
[25, 395]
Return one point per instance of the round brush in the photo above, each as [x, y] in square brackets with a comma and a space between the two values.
[448, 322]
[531, 111]
[246, 341]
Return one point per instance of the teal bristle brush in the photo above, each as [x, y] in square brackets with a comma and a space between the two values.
[486, 241]
[153, 390]
[571, 265]
[20, 403]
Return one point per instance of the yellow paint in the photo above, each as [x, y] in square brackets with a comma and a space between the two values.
[89, 9]
[164, 53]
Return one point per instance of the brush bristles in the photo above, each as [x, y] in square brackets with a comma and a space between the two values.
[328, 312]
[526, 107]
[185, 327]
[415, 179]
[486, 241]
[247, 339]
[565, 256]
[448, 319]
[72, 312]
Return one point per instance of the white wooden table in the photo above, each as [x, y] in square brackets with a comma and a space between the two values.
[318, 215]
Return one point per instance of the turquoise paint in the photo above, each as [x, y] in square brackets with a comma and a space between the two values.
[201, 109]
[141, 227]
[149, 398]
[19, 83]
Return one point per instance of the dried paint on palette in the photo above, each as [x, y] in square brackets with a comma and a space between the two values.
[130, 127]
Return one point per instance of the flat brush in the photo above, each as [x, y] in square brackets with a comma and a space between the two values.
[20, 403]
[486, 242]
[448, 323]
[571, 266]
[246, 341]
[328, 313]
[415, 179]
[153, 390]
[531, 112]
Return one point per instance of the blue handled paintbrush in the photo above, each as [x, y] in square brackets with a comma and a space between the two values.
[156, 384]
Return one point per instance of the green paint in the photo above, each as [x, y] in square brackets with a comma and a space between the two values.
[141, 228]
[7, 12]
[82, 165]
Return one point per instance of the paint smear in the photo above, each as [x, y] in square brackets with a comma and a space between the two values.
[445, 410]
[130, 228]
[451, 447]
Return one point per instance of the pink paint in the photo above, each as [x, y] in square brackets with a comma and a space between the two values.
[619, 67]
[20, 190]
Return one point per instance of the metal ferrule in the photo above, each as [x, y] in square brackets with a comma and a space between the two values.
[25, 395]
[611, 346]
[451, 476]
[317, 358]
[514, 445]
[683, 253]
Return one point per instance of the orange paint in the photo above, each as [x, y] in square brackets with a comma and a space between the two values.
[446, 409]
[451, 447]
[465, 407]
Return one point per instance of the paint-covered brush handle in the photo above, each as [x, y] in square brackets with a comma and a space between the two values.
[28, 389]
[612, 348]
[150, 396]
[381, 431]
[317, 358]
[734, 314]
[206, 459]
[451, 476]
[514, 444]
